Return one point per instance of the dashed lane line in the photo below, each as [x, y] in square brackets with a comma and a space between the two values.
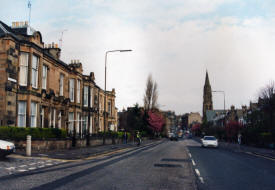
[190, 155]
[10, 168]
[22, 170]
[197, 172]
[32, 168]
[22, 166]
[199, 175]
[201, 179]
[31, 164]
[193, 162]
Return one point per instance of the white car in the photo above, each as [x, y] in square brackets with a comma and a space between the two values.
[6, 148]
[209, 141]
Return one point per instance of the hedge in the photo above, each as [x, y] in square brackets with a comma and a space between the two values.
[20, 133]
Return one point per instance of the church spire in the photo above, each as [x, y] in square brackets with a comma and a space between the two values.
[207, 96]
[207, 79]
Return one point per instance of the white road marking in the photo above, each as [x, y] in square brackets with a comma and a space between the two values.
[31, 164]
[42, 166]
[11, 168]
[49, 164]
[22, 170]
[33, 168]
[49, 161]
[40, 162]
[201, 179]
[22, 166]
[193, 162]
[190, 155]
[197, 172]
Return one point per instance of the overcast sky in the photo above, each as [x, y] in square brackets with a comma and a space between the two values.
[174, 40]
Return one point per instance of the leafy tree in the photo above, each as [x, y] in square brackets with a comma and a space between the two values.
[156, 121]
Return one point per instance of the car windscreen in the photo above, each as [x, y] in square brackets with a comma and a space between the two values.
[209, 138]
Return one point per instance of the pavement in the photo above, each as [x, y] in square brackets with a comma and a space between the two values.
[73, 154]
[19, 163]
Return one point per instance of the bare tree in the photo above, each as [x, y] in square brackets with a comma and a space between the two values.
[155, 96]
[267, 101]
[151, 94]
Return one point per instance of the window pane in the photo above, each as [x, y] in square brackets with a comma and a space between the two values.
[91, 125]
[72, 90]
[71, 123]
[78, 91]
[23, 69]
[21, 114]
[61, 84]
[33, 114]
[86, 95]
[34, 71]
[44, 77]
[91, 97]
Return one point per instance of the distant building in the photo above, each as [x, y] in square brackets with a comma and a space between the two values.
[221, 118]
[190, 119]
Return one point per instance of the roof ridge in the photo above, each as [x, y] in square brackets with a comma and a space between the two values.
[3, 28]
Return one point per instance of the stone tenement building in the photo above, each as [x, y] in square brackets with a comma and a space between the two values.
[37, 89]
[207, 97]
[189, 119]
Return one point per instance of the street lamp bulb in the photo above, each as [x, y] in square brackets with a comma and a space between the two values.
[125, 50]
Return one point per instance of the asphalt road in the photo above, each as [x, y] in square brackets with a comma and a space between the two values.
[219, 169]
[165, 165]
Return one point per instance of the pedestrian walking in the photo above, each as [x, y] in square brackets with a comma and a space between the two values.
[138, 138]
[239, 138]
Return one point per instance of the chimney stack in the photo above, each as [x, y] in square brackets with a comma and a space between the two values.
[53, 49]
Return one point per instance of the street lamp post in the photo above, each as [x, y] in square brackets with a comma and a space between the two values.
[104, 113]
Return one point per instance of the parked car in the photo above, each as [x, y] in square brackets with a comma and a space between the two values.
[174, 137]
[6, 148]
[209, 141]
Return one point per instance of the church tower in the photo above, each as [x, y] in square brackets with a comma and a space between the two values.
[207, 96]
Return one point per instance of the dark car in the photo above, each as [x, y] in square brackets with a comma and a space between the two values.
[174, 137]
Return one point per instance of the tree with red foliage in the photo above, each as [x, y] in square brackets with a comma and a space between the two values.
[155, 120]
[232, 129]
[196, 129]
